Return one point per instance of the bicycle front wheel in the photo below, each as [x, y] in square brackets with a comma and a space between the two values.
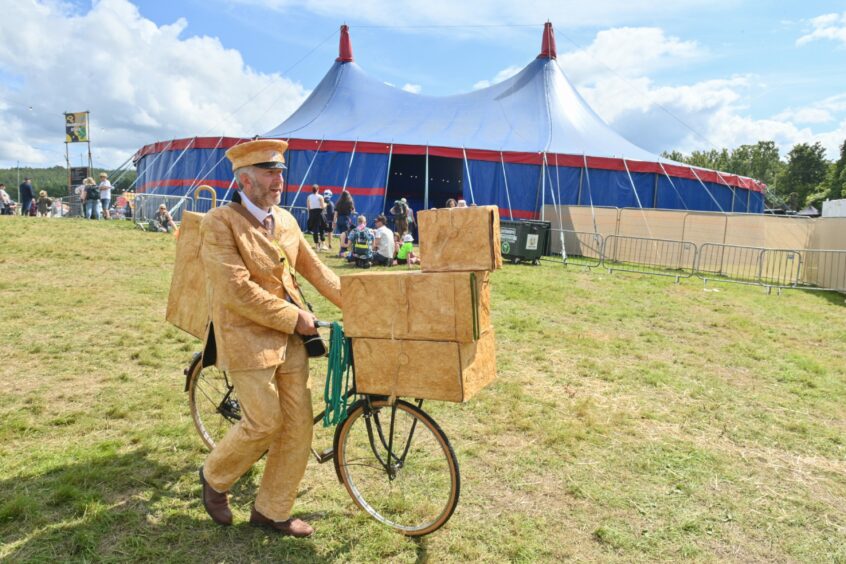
[412, 488]
[212, 401]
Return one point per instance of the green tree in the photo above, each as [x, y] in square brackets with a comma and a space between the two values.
[55, 180]
[837, 176]
[760, 161]
[805, 170]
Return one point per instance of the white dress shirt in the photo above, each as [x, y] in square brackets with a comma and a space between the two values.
[257, 212]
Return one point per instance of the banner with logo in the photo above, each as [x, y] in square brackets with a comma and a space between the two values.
[76, 127]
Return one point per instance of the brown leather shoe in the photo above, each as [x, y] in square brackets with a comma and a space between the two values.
[292, 527]
[216, 503]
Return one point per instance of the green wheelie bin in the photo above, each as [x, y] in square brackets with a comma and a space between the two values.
[524, 240]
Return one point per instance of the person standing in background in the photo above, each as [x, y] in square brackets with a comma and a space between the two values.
[27, 195]
[343, 218]
[91, 195]
[44, 204]
[315, 205]
[328, 216]
[105, 194]
[410, 217]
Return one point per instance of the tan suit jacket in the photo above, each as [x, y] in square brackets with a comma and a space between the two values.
[248, 286]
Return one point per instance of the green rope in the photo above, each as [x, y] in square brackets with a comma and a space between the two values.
[337, 376]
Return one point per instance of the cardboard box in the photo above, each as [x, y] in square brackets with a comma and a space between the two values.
[410, 304]
[459, 239]
[434, 370]
[187, 306]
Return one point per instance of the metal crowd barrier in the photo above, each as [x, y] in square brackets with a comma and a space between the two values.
[67, 206]
[773, 268]
[661, 257]
[823, 269]
[580, 248]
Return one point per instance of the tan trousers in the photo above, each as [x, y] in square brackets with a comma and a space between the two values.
[277, 418]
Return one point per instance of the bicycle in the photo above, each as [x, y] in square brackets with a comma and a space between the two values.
[393, 458]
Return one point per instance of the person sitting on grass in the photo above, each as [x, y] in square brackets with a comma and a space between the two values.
[360, 243]
[383, 247]
[162, 221]
[405, 253]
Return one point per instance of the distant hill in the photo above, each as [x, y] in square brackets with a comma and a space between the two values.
[55, 180]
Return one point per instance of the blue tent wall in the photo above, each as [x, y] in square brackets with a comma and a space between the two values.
[365, 180]
[562, 185]
[173, 172]
[489, 186]
[167, 173]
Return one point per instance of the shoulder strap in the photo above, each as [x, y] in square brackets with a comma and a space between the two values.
[246, 214]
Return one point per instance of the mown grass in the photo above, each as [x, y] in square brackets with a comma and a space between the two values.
[632, 419]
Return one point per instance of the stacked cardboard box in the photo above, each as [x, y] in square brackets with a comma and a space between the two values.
[187, 307]
[428, 334]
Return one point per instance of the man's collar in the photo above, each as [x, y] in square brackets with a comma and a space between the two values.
[256, 211]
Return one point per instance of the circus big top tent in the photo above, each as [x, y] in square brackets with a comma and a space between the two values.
[524, 143]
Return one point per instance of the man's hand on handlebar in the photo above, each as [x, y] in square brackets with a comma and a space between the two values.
[306, 323]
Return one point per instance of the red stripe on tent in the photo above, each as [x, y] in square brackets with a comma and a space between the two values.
[518, 214]
[182, 144]
[336, 190]
[182, 182]
[577, 161]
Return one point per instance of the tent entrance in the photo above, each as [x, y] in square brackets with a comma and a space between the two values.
[407, 179]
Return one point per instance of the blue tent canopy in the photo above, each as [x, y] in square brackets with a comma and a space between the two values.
[523, 143]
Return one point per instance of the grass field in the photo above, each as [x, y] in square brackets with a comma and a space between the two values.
[632, 419]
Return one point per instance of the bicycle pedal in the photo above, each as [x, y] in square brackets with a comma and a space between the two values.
[325, 456]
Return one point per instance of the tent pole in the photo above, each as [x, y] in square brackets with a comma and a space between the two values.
[426, 184]
[148, 166]
[505, 178]
[469, 180]
[387, 178]
[590, 195]
[581, 179]
[655, 192]
[349, 166]
[305, 176]
[543, 187]
[673, 185]
[558, 210]
[202, 176]
[639, 203]
[730, 187]
[228, 190]
[706, 190]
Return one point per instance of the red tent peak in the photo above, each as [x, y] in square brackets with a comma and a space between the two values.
[548, 43]
[344, 46]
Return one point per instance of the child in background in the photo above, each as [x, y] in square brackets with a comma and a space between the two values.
[44, 204]
[405, 254]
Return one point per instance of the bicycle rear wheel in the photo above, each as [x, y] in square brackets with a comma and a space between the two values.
[213, 403]
[414, 490]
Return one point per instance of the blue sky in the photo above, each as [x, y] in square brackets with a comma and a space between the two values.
[683, 75]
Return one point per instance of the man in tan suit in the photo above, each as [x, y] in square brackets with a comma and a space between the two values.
[251, 251]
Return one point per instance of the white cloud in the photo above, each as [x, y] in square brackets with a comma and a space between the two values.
[613, 74]
[828, 26]
[805, 115]
[413, 88]
[504, 74]
[141, 82]
[628, 52]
